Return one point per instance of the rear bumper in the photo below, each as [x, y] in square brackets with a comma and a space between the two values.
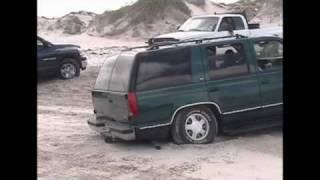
[112, 128]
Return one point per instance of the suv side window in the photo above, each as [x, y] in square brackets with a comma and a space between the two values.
[226, 61]
[238, 23]
[269, 55]
[165, 68]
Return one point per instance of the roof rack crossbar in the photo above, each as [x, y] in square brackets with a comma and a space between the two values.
[136, 47]
[197, 41]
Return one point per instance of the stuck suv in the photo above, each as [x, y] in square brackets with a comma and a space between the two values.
[190, 91]
[64, 60]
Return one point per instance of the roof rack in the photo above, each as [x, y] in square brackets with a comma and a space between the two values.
[136, 47]
[197, 41]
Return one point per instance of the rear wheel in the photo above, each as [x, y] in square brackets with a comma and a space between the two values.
[69, 69]
[196, 125]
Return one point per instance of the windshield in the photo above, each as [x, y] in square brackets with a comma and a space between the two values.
[200, 24]
[43, 42]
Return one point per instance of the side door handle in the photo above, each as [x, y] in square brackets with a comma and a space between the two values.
[265, 82]
[214, 89]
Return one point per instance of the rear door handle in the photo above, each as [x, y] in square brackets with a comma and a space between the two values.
[214, 89]
[265, 82]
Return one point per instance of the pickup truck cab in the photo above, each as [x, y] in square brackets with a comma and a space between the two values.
[64, 60]
[217, 25]
[191, 91]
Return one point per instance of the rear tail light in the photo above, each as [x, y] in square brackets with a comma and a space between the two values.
[133, 104]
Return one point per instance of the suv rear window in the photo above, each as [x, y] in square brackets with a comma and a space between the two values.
[238, 23]
[235, 22]
[164, 68]
[102, 82]
[115, 73]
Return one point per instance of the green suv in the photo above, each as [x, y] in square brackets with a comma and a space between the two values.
[191, 91]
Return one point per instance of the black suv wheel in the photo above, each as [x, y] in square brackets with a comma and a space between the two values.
[69, 68]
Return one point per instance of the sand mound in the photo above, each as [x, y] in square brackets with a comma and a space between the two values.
[147, 18]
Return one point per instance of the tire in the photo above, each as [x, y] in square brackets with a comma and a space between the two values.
[69, 68]
[108, 139]
[196, 125]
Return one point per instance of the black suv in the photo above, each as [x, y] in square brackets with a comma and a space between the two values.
[64, 60]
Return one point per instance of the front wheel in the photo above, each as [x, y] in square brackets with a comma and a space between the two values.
[69, 68]
[197, 125]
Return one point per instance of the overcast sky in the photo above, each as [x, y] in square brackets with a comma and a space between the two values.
[56, 8]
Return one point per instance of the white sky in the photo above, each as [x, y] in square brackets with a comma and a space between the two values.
[56, 8]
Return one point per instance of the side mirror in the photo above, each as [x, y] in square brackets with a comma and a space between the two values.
[178, 27]
[263, 43]
[47, 45]
[268, 65]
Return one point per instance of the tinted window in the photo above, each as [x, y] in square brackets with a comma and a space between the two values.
[238, 23]
[121, 73]
[165, 68]
[269, 55]
[226, 61]
[103, 78]
[226, 24]
[115, 73]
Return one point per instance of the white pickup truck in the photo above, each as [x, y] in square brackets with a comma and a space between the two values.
[217, 25]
